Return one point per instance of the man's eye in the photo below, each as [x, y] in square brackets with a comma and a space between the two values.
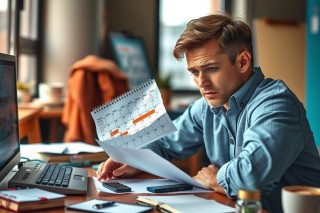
[194, 72]
[212, 69]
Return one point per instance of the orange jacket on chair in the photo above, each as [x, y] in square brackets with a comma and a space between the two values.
[88, 89]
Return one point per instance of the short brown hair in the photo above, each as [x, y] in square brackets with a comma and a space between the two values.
[232, 35]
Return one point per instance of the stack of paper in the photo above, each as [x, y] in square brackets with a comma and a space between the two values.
[64, 152]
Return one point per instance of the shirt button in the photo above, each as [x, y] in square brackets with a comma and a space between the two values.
[242, 104]
[231, 141]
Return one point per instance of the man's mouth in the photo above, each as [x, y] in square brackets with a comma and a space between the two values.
[210, 94]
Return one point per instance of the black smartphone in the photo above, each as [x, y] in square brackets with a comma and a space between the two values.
[170, 188]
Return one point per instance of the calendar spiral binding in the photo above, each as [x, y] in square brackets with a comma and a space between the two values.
[123, 96]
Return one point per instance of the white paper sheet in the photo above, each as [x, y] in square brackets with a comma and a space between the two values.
[88, 206]
[140, 185]
[148, 161]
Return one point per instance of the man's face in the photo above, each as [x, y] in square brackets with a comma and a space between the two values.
[217, 78]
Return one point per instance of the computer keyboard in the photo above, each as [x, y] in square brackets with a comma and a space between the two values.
[51, 177]
[55, 175]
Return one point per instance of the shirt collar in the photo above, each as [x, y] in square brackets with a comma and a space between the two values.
[244, 94]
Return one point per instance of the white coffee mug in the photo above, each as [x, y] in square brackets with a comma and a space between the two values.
[298, 199]
[51, 92]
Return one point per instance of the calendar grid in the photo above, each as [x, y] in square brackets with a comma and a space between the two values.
[134, 119]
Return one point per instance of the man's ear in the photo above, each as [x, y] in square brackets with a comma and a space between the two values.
[243, 60]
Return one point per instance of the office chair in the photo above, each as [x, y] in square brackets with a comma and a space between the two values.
[92, 82]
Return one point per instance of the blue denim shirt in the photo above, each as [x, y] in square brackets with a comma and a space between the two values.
[263, 141]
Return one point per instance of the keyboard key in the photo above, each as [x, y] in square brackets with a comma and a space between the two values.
[55, 175]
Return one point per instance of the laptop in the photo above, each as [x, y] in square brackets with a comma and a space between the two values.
[32, 174]
[51, 177]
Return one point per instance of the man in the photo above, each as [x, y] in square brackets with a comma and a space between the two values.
[255, 131]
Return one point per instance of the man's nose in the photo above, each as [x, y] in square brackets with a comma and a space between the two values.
[203, 79]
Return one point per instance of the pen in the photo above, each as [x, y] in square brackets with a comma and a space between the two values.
[103, 205]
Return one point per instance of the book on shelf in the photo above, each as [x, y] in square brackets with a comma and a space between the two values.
[30, 199]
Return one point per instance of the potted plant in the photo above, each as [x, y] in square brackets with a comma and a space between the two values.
[164, 84]
[23, 92]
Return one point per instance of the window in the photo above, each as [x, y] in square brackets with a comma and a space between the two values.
[4, 26]
[29, 43]
[6, 31]
[173, 18]
[19, 35]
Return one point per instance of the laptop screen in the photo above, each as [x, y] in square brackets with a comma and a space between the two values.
[130, 54]
[9, 137]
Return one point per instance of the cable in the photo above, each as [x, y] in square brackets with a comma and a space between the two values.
[24, 160]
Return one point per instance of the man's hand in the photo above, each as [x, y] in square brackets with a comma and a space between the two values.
[207, 177]
[110, 169]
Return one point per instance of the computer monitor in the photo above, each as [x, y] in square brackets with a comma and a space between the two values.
[130, 54]
[9, 137]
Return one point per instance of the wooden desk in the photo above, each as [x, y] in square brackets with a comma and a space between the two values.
[54, 116]
[126, 198]
[29, 124]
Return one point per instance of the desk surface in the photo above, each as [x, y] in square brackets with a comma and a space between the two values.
[29, 124]
[27, 113]
[126, 198]
[30, 115]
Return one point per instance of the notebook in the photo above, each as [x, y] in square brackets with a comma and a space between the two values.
[60, 179]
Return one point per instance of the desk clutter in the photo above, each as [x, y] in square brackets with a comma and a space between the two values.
[138, 186]
[168, 204]
[30, 199]
[117, 139]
